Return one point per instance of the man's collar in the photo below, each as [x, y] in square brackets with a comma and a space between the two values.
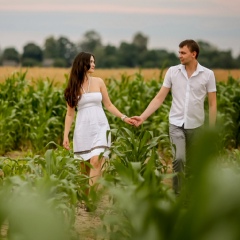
[198, 69]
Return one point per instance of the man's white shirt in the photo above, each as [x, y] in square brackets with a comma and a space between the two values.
[188, 94]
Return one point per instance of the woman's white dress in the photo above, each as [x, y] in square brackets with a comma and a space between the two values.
[91, 136]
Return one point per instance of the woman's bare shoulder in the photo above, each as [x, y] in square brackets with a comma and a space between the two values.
[98, 80]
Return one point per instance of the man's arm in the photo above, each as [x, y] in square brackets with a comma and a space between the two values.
[212, 103]
[153, 105]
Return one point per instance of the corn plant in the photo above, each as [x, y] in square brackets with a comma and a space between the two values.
[52, 180]
[29, 215]
[132, 97]
[134, 173]
[229, 112]
[31, 115]
[143, 207]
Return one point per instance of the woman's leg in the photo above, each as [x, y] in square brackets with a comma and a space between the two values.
[95, 171]
[94, 175]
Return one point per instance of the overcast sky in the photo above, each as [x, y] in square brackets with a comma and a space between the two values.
[164, 22]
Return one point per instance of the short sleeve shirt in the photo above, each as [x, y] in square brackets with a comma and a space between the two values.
[188, 94]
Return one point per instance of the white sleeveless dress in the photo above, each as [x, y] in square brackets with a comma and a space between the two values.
[91, 127]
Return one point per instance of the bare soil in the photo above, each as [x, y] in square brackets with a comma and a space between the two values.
[88, 223]
[3, 231]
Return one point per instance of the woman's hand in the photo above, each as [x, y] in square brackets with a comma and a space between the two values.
[66, 143]
[129, 121]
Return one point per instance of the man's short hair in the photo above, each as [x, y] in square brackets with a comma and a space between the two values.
[192, 46]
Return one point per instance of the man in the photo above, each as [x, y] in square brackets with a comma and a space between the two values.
[190, 83]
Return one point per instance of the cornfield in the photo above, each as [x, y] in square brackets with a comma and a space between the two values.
[58, 74]
[41, 188]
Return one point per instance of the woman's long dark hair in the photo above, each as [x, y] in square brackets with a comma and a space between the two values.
[80, 66]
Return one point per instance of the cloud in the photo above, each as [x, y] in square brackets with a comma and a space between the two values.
[185, 8]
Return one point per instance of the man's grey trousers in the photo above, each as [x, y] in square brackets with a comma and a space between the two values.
[182, 140]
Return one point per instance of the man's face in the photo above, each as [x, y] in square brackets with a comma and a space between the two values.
[186, 56]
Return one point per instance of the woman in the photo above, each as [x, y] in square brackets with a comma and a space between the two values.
[86, 93]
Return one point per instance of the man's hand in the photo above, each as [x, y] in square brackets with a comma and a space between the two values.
[137, 120]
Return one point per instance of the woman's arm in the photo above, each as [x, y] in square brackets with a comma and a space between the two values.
[109, 106]
[68, 123]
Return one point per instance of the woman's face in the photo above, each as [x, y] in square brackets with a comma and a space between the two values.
[92, 65]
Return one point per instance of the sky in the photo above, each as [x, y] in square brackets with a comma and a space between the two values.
[165, 22]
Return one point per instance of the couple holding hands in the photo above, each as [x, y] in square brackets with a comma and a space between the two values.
[189, 83]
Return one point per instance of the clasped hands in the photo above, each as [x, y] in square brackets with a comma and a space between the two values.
[135, 120]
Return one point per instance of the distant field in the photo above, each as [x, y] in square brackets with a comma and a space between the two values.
[57, 74]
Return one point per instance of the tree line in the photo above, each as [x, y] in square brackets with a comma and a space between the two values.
[60, 52]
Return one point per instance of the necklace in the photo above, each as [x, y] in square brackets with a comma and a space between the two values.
[87, 87]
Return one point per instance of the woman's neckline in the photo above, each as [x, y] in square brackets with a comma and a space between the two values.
[90, 92]
[87, 87]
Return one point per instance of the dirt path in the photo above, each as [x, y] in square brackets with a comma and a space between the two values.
[87, 223]
[3, 231]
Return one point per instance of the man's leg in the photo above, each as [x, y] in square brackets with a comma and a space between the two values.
[191, 135]
[178, 140]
